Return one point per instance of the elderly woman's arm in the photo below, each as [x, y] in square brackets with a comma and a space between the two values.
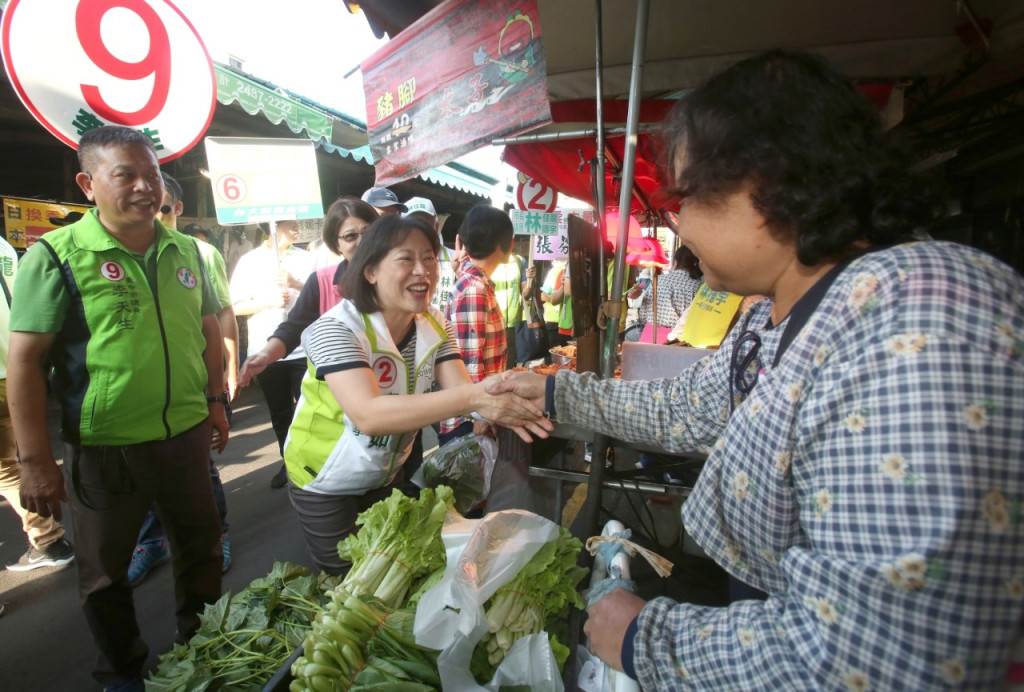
[911, 572]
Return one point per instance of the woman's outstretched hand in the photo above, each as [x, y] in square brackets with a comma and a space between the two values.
[528, 385]
[498, 403]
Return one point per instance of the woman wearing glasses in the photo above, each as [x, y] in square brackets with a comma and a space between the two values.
[865, 426]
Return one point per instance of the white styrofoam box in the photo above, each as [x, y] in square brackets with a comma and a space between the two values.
[651, 361]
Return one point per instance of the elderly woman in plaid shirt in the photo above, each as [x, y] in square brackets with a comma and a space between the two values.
[864, 425]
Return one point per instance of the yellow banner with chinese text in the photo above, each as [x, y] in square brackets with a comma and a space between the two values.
[26, 220]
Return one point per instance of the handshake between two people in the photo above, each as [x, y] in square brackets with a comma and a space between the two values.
[515, 400]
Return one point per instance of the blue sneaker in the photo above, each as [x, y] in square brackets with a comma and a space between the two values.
[225, 547]
[128, 685]
[146, 557]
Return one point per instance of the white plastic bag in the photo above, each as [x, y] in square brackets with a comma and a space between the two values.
[465, 465]
[484, 554]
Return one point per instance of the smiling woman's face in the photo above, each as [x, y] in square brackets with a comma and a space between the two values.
[405, 278]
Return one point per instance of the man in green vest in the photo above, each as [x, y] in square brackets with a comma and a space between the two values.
[122, 308]
[513, 281]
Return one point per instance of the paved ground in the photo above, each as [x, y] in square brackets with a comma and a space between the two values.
[45, 642]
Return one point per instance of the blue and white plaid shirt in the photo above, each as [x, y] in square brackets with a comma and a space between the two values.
[872, 484]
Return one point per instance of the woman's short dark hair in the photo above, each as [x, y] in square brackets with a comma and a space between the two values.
[338, 213]
[812, 150]
[683, 259]
[484, 230]
[380, 238]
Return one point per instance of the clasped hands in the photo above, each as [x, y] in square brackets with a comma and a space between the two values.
[515, 399]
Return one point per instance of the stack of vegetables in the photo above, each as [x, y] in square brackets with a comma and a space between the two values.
[362, 639]
[358, 643]
[358, 635]
[398, 544]
[244, 639]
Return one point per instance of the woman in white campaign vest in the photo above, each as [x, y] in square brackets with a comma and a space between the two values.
[349, 439]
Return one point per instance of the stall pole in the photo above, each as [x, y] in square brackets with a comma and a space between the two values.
[592, 508]
[599, 162]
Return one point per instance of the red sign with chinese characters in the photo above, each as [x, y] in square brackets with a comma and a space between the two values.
[465, 73]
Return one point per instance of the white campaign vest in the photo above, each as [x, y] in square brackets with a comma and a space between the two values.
[324, 451]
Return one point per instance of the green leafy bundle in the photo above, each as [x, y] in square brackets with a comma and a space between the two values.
[537, 598]
[398, 544]
[244, 639]
[358, 643]
[461, 466]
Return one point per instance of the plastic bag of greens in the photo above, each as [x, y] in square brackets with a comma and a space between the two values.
[482, 556]
[465, 465]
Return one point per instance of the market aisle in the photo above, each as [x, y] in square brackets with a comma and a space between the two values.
[45, 642]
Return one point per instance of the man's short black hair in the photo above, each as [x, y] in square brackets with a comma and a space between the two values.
[106, 136]
[811, 150]
[484, 230]
[380, 238]
[173, 187]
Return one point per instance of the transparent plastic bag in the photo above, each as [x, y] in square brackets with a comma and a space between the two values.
[465, 465]
[482, 555]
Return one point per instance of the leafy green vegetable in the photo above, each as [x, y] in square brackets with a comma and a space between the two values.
[244, 639]
[357, 643]
[399, 543]
[460, 465]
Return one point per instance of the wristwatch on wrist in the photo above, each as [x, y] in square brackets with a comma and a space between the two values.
[221, 398]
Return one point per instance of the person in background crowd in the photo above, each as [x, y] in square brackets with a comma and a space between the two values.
[265, 287]
[552, 278]
[424, 208]
[561, 295]
[384, 201]
[349, 440]
[47, 545]
[676, 290]
[152, 549]
[865, 423]
[486, 236]
[513, 281]
[123, 310]
[344, 225]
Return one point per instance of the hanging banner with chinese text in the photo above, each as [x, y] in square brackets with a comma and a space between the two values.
[465, 73]
[28, 219]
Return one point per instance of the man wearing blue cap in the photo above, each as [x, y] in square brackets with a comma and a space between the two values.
[384, 201]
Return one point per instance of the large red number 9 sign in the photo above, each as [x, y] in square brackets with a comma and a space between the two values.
[138, 63]
[88, 17]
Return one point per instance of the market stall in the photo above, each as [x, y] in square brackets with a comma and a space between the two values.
[609, 93]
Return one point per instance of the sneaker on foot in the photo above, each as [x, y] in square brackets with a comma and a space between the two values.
[146, 557]
[58, 553]
[280, 478]
[225, 547]
[129, 685]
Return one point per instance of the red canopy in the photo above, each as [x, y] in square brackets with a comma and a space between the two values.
[565, 164]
